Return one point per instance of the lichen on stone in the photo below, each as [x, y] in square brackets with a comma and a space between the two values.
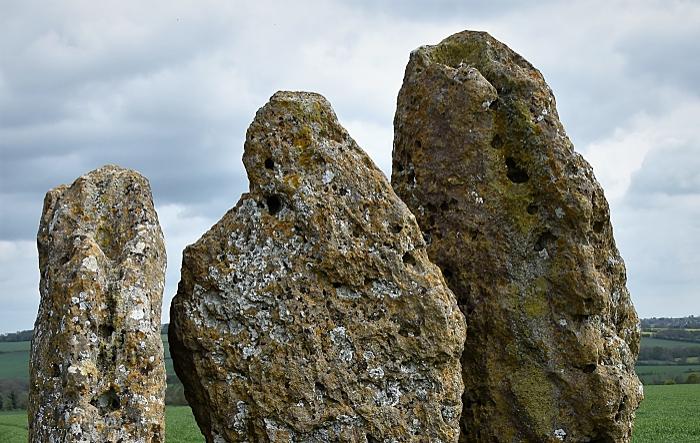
[310, 311]
[96, 367]
[521, 230]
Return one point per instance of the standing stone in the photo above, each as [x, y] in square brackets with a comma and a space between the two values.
[97, 372]
[521, 230]
[310, 312]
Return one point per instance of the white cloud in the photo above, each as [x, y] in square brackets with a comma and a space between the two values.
[168, 88]
[180, 228]
[617, 157]
[19, 282]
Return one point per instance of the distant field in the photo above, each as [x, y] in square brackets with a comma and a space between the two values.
[669, 414]
[14, 346]
[180, 426]
[649, 342]
[657, 374]
[14, 359]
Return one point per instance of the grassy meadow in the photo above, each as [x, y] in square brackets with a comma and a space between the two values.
[180, 426]
[669, 413]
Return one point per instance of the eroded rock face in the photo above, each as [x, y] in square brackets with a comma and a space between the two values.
[520, 228]
[97, 372]
[310, 311]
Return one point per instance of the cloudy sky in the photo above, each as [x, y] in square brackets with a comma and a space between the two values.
[169, 87]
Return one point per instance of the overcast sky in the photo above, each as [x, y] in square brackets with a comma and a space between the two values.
[169, 88]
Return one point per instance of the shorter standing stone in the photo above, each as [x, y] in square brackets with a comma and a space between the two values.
[310, 312]
[97, 372]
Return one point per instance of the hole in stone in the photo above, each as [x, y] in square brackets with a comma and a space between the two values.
[496, 142]
[409, 259]
[274, 204]
[399, 167]
[598, 227]
[106, 330]
[55, 371]
[515, 173]
[444, 206]
[396, 229]
[532, 209]
[620, 408]
[337, 285]
[407, 328]
[418, 144]
[494, 104]
[589, 368]
[269, 163]
[155, 430]
[106, 402]
[146, 369]
[544, 240]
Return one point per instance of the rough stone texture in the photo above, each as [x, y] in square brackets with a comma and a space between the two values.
[310, 311]
[520, 228]
[97, 372]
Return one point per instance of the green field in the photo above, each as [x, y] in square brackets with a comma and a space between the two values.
[648, 342]
[180, 426]
[668, 414]
[14, 359]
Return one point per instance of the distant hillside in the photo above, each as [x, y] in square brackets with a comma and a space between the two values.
[690, 322]
[27, 335]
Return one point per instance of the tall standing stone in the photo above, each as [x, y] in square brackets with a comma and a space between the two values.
[310, 311]
[521, 230]
[97, 372]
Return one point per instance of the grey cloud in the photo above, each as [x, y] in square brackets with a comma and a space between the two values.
[667, 57]
[667, 173]
[658, 231]
[169, 89]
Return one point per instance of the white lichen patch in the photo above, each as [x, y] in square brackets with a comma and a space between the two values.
[90, 264]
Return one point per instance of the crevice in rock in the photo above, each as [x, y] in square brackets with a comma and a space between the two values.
[107, 401]
[515, 172]
[409, 259]
[274, 204]
[544, 241]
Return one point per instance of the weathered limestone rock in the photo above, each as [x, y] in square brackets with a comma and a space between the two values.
[310, 311]
[97, 372]
[520, 228]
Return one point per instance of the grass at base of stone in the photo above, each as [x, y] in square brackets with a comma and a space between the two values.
[180, 426]
[669, 414]
[13, 426]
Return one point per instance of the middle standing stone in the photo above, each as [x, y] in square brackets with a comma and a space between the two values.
[310, 311]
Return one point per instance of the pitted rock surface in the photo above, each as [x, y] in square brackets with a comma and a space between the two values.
[97, 371]
[520, 228]
[310, 312]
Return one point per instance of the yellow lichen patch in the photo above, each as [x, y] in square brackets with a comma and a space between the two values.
[303, 137]
[534, 392]
[292, 180]
[536, 303]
